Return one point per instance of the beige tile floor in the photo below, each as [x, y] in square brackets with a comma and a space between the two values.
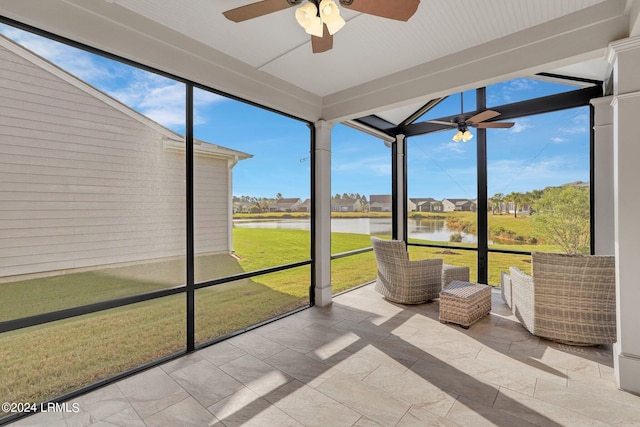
[367, 362]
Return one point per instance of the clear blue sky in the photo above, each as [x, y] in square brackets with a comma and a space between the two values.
[537, 152]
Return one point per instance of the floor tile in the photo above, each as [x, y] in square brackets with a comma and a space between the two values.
[414, 389]
[453, 380]
[256, 345]
[255, 374]
[151, 391]
[97, 406]
[613, 407]
[311, 407]
[420, 417]
[466, 412]
[301, 367]
[48, 419]
[221, 353]
[373, 402]
[185, 413]
[541, 413]
[247, 408]
[294, 339]
[205, 382]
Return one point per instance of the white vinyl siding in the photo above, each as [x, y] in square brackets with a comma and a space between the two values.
[84, 184]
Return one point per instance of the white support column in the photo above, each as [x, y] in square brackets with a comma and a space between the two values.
[625, 57]
[400, 178]
[322, 213]
[603, 177]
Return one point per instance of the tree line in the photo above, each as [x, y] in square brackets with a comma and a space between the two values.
[559, 215]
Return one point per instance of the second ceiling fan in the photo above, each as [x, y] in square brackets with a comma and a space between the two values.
[321, 18]
[477, 121]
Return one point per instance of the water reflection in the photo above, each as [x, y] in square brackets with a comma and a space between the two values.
[434, 230]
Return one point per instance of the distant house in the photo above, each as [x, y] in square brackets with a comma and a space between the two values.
[242, 207]
[285, 205]
[380, 203]
[436, 206]
[346, 205]
[94, 182]
[304, 206]
[427, 204]
[459, 205]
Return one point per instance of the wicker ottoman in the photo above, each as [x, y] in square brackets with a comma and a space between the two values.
[464, 303]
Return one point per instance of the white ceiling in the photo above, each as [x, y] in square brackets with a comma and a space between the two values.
[376, 66]
[367, 48]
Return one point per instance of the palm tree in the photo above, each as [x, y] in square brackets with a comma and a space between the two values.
[517, 199]
[496, 201]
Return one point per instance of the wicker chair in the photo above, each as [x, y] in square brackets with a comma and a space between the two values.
[570, 298]
[404, 281]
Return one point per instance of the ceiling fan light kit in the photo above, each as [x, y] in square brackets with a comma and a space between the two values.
[321, 18]
[463, 135]
[312, 16]
[330, 15]
[307, 17]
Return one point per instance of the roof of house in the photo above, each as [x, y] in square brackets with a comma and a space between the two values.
[418, 200]
[458, 201]
[380, 198]
[288, 201]
[345, 202]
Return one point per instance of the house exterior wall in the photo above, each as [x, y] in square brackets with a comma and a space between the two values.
[84, 184]
[349, 205]
[447, 206]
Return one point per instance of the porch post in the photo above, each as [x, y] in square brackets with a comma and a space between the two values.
[400, 190]
[625, 57]
[322, 213]
[603, 201]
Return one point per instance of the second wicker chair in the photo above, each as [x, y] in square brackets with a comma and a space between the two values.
[410, 282]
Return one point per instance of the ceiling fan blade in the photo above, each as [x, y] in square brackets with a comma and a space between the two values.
[253, 10]
[324, 43]
[440, 122]
[400, 10]
[481, 117]
[494, 125]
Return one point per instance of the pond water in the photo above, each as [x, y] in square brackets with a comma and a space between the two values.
[435, 230]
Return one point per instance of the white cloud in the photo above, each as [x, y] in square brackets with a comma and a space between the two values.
[447, 145]
[506, 90]
[520, 84]
[455, 147]
[573, 129]
[70, 59]
[578, 124]
[558, 140]
[159, 98]
[378, 166]
[506, 176]
[521, 125]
